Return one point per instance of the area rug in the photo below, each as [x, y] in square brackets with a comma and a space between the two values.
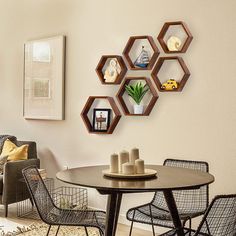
[41, 230]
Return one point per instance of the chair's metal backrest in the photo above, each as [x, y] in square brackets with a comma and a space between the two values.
[39, 192]
[187, 201]
[220, 217]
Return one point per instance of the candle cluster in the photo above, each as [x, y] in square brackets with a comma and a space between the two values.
[127, 163]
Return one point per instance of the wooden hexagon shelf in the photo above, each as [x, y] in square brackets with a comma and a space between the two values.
[114, 121]
[158, 66]
[128, 49]
[122, 102]
[102, 63]
[164, 30]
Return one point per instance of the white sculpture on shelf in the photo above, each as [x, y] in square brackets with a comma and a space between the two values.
[174, 43]
[112, 71]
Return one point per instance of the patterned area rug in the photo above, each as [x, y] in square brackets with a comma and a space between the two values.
[41, 230]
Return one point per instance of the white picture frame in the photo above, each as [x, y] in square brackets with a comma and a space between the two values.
[44, 79]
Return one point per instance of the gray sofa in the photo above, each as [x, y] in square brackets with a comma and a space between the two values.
[12, 172]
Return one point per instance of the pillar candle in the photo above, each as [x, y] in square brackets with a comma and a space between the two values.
[134, 155]
[128, 168]
[114, 166]
[139, 166]
[124, 157]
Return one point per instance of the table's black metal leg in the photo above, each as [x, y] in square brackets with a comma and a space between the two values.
[113, 209]
[174, 212]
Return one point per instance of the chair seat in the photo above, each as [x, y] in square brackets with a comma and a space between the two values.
[160, 216]
[1, 184]
[87, 218]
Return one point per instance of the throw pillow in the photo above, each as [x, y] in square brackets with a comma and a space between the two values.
[3, 160]
[13, 152]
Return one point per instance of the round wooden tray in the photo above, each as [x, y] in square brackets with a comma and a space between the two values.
[148, 173]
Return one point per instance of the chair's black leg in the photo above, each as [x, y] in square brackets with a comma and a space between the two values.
[132, 223]
[153, 230]
[49, 230]
[57, 230]
[6, 210]
[131, 228]
[86, 231]
[190, 226]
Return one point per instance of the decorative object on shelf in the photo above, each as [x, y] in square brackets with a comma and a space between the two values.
[139, 166]
[174, 43]
[114, 163]
[141, 64]
[148, 173]
[137, 92]
[130, 166]
[170, 84]
[163, 33]
[44, 79]
[142, 60]
[181, 81]
[123, 158]
[122, 90]
[101, 119]
[134, 155]
[113, 122]
[111, 69]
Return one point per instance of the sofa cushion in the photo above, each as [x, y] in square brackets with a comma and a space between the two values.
[13, 152]
[1, 184]
[4, 137]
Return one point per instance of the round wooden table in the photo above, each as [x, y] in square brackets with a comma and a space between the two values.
[167, 180]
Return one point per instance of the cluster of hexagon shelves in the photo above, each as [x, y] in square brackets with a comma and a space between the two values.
[155, 74]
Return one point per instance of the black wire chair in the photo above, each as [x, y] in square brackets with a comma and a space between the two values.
[219, 219]
[51, 214]
[190, 203]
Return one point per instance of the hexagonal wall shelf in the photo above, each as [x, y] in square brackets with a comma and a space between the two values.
[166, 27]
[128, 49]
[104, 62]
[122, 91]
[181, 82]
[114, 121]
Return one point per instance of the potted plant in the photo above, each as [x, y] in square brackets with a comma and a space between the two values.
[137, 92]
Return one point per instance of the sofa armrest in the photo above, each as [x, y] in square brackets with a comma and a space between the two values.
[11, 175]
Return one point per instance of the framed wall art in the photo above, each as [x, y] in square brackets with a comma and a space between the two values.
[101, 119]
[44, 79]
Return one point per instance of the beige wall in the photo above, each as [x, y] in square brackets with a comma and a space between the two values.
[198, 123]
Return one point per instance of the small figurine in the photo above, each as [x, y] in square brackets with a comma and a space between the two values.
[170, 85]
[174, 43]
[142, 60]
[112, 71]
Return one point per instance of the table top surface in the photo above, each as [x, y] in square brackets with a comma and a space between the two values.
[168, 178]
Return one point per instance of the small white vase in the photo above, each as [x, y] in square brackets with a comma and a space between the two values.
[138, 109]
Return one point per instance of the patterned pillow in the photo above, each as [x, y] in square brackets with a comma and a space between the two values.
[3, 160]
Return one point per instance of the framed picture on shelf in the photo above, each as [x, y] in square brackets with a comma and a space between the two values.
[101, 119]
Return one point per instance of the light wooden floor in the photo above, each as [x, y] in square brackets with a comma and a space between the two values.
[12, 221]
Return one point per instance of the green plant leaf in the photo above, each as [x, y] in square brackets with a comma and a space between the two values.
[137, 91]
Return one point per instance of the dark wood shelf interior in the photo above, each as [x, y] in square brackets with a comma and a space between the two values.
[102, 63]
[128, 49]
[114, 107]
[181, 82]
[164, 30]
[122, 102]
